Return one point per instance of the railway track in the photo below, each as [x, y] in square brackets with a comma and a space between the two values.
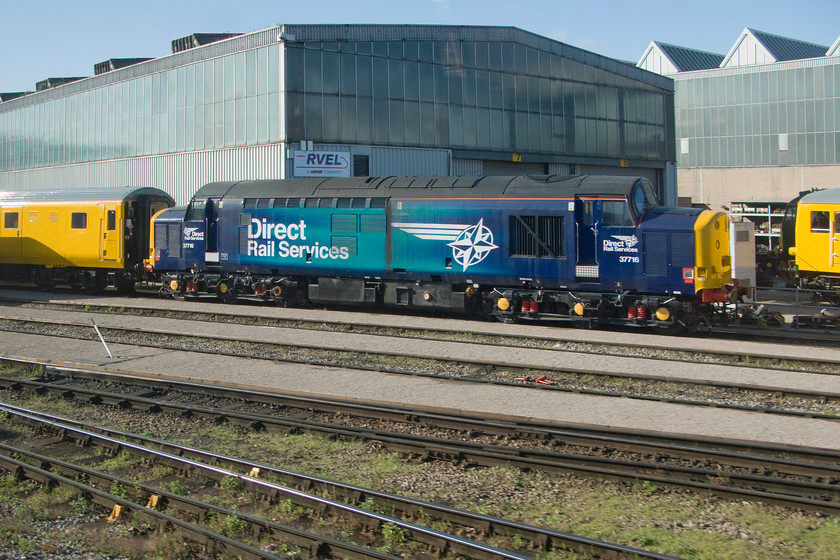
[793, 477]
[270, 485]
[649, 383]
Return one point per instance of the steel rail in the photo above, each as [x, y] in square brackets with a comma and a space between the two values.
[772, 390]
[797, 494]
[317, 545]
[440, 541]
[812, 336]
[545, 539]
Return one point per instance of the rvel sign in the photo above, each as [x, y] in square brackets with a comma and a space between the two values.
[322, 164]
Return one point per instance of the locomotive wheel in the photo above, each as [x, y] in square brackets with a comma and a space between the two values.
[95, 283]
[224, 291]
[43, 279]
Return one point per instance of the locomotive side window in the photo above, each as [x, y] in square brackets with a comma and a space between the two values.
[616, 213]
[78, 220]
[819, 222]
[837, 222]
[536, 236]
[112, 220]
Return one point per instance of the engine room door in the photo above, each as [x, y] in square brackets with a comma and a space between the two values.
[588, 219]
[211, 225]
[10, 234]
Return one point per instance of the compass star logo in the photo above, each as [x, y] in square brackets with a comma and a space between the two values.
[472, 245]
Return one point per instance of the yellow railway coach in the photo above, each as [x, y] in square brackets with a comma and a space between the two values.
[814, 220]
[87, 238]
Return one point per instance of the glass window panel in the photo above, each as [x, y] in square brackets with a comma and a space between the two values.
[426, 51]
[380, 121]
[469, 127]
[508, 58]
[482, 89]
[482, 54]
[441, 125]
[441, 84]
[379, 48]
[410, 50]
[427, 124]
[380, 77]
[395, 49]
[456, 125]
[330, 122]
[364, 79]
[313, 76]
[455, 87]
[468, 54]
[411, 81]
[396, 75]
[295, 116]
[509, 91]
[412, 123]
[331, 72]
[348, 120]
[364, 120]
[313, 117]
[262, 72]
[397, 123]
[274, 77]
[348, 74]
[427, 89]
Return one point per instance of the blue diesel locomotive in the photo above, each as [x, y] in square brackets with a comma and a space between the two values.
[587, 249]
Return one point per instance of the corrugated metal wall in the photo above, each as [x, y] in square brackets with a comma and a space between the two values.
[178, 174]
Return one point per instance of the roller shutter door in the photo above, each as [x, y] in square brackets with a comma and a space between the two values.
[511, 168]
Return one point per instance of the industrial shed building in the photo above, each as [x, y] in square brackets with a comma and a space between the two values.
[759, 123]
[343, 99]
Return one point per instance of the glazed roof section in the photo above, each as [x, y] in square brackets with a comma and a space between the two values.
[298, 33]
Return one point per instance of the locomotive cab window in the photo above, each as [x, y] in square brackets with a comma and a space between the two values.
[643, 198]
[78, 220]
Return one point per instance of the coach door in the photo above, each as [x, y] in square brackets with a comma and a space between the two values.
[587, 218]
[10, 234]
[109, 233]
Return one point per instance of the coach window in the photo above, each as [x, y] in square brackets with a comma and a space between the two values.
[78, 220]
[819, 222]
[616, 213]
[11, 220]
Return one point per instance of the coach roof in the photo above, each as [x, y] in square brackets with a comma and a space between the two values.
[522, 186]
[102, 194]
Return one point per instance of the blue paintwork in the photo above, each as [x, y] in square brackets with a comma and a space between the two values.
[445, 240]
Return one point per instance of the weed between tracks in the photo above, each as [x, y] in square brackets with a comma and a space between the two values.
[644, 515]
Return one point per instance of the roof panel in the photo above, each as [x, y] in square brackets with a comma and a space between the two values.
[785, 48]
[687, 60]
